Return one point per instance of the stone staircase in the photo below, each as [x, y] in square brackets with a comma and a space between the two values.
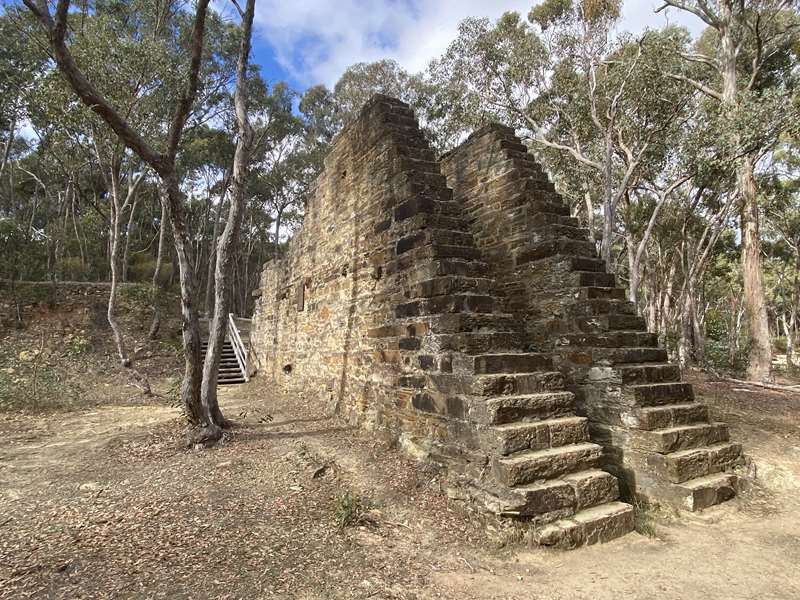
[656, 437]
[461, 355]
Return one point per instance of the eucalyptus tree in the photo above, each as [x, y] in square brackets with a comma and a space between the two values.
[743, 62]
[162, 159]
[224, 256]
[597, 107]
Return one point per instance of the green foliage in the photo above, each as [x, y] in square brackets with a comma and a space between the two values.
[76, 344]
[349, 510]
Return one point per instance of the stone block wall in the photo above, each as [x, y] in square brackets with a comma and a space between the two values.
[656, 438]
[386, 307]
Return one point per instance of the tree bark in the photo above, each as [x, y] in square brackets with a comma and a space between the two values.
[222, 273]
[760, 356]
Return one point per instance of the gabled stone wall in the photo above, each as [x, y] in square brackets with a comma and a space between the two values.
[656, 437]
[386, 307]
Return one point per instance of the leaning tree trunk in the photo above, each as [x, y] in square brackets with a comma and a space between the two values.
[225, 258]
[760, 355]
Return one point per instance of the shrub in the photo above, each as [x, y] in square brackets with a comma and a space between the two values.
[348, 510]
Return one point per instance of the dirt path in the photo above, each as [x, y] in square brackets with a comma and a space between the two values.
[108, 504]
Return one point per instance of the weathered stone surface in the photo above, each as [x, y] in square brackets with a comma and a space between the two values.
[386, 306]
[544, 464]
[590, 526]
[569, 305]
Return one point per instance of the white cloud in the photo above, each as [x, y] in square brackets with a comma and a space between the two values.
[316, 40]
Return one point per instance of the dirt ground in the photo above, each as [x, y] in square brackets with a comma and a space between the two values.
[108, 503]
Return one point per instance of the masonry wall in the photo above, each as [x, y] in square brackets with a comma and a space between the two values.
[387, 309]
[656, 437]
[337, 316]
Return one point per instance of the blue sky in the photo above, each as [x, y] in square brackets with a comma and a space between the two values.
[306, 42]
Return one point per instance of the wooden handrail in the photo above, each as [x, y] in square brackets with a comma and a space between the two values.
[238, 347]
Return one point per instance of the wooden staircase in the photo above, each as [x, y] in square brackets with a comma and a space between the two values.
[233, 364]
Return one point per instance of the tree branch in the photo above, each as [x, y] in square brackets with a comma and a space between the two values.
[697, 85]
[56, 32]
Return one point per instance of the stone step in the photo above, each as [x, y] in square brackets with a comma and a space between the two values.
[703, 492]
[517, 384]
[421, 203]
[681, 466]
[433, 221]
[680, 437]
[596, 524]
[509, 363]
[587, 308]
[666, 416]
[544, 249]
[618, 356]
[473, 343]
[589, 279]
[527, 467]
[557, 230]
[537, 435]
[437, 251]
[428, 269]
[544, 206]
[634, 374]
[610, 339]
[585, 263]
[551, 499]
[658, 394]
[599, 324]
[530, 407]
[451, 303]
[600, 293]
[451, 284]
[474, 323]
[436, 237]
[540, 219]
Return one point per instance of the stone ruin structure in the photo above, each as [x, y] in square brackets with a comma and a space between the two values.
[455, 306]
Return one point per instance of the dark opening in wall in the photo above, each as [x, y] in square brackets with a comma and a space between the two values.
[287, 369]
